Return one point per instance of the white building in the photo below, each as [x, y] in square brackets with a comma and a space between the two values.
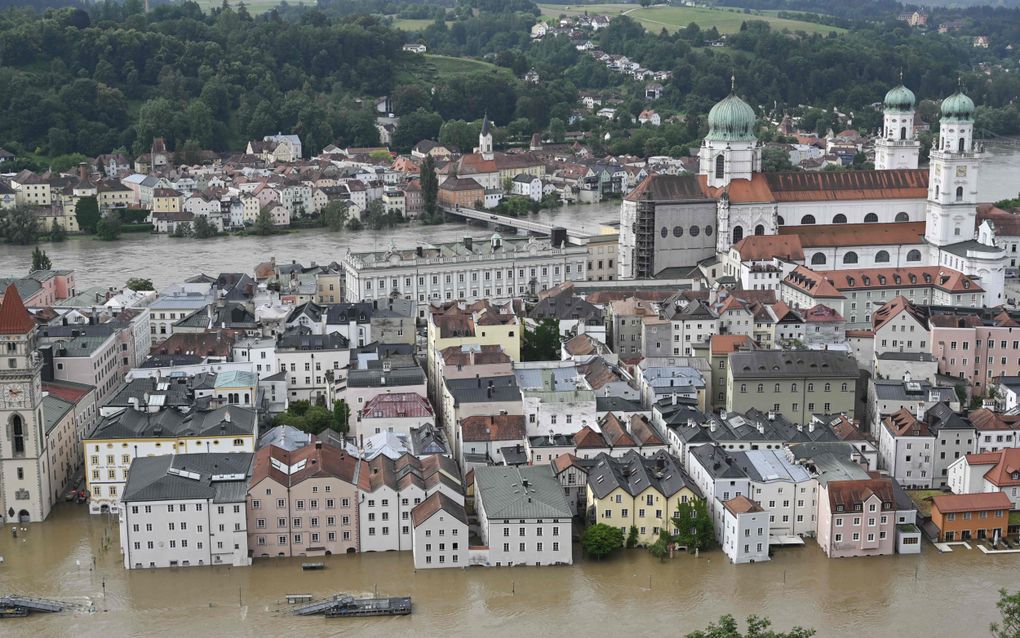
[393, 488]
[523, 515]
[440, 537]
[897, 147]
[498, 270]
[988, 472]
[745, 531]
[186, 510]
[129, 433]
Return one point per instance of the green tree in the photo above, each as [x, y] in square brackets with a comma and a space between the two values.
[694, 524]
[416, 126]
[354, 224]
[20, 226]
[774, 160]
[264, 223]
[57, 232]
[1009, 607]
[660, 548]
[341, 417]
[557, 129]
[86, 212]
[109, 226]
[601, 540]
[137, 284]
[429, 188]
[202, 228]
[727, 627]
[39, 260]
[459, 134]
[632, 537]
[334, 215]
[542, 343]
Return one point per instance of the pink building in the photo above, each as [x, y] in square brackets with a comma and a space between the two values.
[857, 518]
[976, 344]
[44, 288]
[304, 502]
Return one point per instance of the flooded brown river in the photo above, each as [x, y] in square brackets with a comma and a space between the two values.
[630, 594]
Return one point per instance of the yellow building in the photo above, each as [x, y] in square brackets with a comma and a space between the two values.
[112, 194]
[633, 491]
[480, 323]
[329, 286]
[166, 200]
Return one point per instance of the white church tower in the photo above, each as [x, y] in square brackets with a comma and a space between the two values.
[485, 139]
[730, 150]
[952, 202]
[953, 175]
[25, 493]
[898, 147]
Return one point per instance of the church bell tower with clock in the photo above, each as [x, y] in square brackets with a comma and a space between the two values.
[25, 493]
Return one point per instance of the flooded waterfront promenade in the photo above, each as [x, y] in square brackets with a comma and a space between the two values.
[632, 593]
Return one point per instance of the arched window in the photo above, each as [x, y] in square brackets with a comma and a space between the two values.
[738, 234]
[818, 259]
[720, 166]
[882, 257]
[759, 230]
[780, 220]
[839, 219]
[761, 388]
[18, 434]
[902, 217]
[962, 142]
[807, 219]
[959, 193]
[903, 132]
[870, 218]
[914, 255]
[850, 258]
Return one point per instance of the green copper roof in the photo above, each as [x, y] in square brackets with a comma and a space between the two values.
[731, 120]
[900, 98]
[958, 107]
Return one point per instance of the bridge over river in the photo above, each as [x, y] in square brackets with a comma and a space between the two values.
[517, 224]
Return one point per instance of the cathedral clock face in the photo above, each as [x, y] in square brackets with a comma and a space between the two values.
[14, 395]
[961, 171]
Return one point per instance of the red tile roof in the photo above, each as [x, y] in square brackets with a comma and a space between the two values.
[985, 419]
[502, 427]
[725, 344]
[741, 191]
[1005, 468]
[849, 494]
[984, 501]
[14, 318]
[894, 307]
[589, 438]
[397, 405]
[841, 235]
[437, 502]
[762, 247]
[615, 433]
[809, 186]
[904, 423]
[742, 505]
[70, 392]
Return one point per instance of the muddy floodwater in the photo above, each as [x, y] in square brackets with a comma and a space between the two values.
[633, 594]
[166, 260]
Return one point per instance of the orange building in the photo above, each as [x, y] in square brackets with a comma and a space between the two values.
[964, 517]
[460, 191]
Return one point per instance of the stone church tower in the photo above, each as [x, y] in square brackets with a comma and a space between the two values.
[25, 493]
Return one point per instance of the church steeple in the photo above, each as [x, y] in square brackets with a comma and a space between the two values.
[14, 318]
[897, 148]
[485, 138]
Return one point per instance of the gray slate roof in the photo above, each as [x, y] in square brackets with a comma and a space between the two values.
[170, 423]
[189, 476]
[777, 364]
[520, 492]
[635, 474]
[377, 378]
[477, 390]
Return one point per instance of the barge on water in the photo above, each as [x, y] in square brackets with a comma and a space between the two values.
[346, 606]
[14, 606]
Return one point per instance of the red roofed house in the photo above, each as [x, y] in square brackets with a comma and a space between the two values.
[963, 517]
[480, 438]
[397, 412]
[857, 518]
[987, 472]
[304, 488]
